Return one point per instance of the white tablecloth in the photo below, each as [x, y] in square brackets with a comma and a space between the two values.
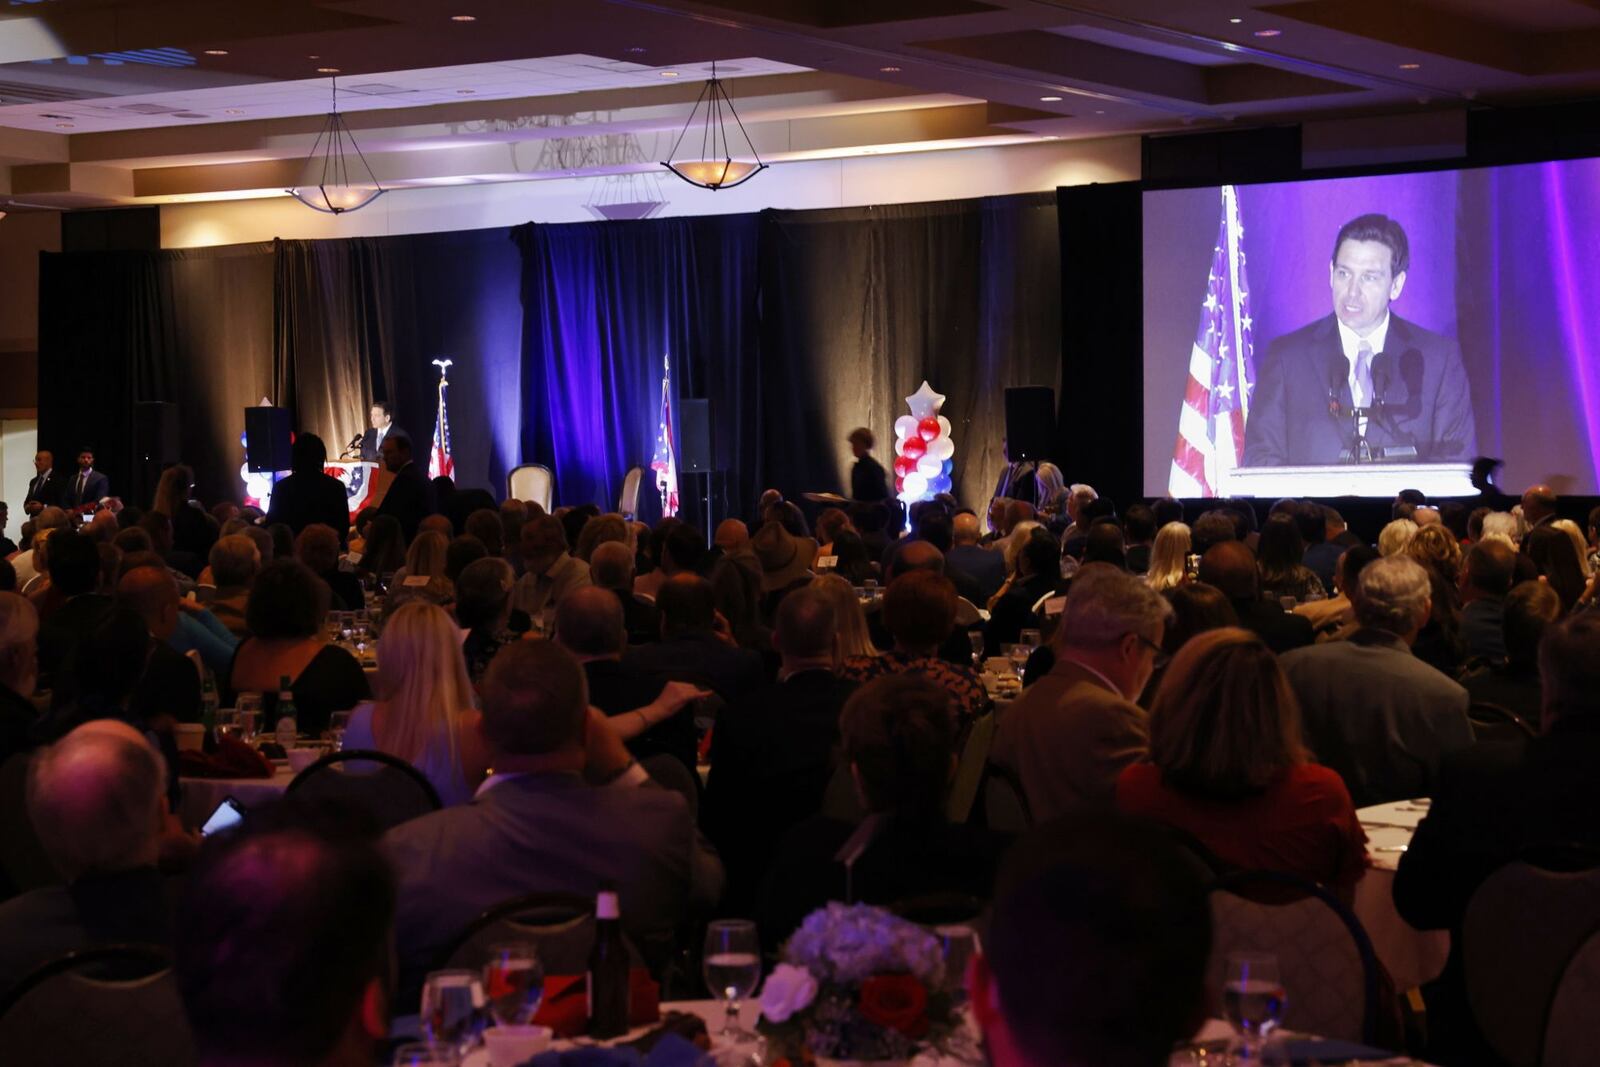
[1412, 956]
[200, 796]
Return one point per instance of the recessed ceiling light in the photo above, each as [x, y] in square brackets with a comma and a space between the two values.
[1268, 33]
[466, 92]
[327, 70]
[1411, 66]
[232, 111]
[669, 74]
[1236, 21]
[636, 51]
[1099, 112]
[64, 126]
[313, 57]
[1050, 99]
[463, 18]
[889, 70]
[216, 51]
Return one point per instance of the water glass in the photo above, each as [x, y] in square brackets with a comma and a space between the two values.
[513, 980]
[1253, 998]
[228, 724]
[732, 967]
[338, 723]
[959, 943]
[425, 1054]
[976, 637]
[1029, 639]
[248, 710]
[1018, 655]
[452, 1009]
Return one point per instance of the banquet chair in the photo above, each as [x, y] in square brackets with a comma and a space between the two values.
[386, 787]
[1573, 1032]
[969, 769]
[1521, 927]
[628, 502]
[23, 862]
[531, 482]
[102, 1007]
[1491, 722]
[669, 772]
[1005, 805]
[1325, 958]
[560, 925]
[967, 614]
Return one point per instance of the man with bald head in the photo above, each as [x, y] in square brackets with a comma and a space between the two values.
[611, 567]
[732, 535]
[97, 801]
[1231, 567]
[1538, 507]
[690, 649]
[986, 567]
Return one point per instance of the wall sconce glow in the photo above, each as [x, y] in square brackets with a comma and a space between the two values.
[715, 167]
[337, 177]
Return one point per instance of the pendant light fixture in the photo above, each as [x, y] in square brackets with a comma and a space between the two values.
[336, 177]
[715, 167]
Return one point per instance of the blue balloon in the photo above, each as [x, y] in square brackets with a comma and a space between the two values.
[939, 484]
[949, 465]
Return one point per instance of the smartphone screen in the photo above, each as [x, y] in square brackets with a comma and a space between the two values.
[228, 814]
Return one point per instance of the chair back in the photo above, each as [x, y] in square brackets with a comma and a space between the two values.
[1005, 805]
[1492, 722]
[1520, 930]
[1573, 1032]
[1324, 957]
[23, 862]
[103, 1007]
[386, 787]
[559, 925]
[628, 502]
[531, 482]
[669, 772]
[969, 769]
[967, 614]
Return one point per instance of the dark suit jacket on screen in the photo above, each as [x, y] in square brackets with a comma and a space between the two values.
[1427, 401]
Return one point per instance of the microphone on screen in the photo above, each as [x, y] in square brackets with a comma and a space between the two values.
[355, 442]
[1338, 370]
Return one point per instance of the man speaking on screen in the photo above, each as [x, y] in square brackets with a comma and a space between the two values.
[1362, 385]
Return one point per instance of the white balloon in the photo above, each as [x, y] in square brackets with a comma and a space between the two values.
[929, 465]
[944, 426]
[915, 485]
[905, 426]
[940, 448]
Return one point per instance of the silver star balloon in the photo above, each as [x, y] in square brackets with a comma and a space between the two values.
[925, 403]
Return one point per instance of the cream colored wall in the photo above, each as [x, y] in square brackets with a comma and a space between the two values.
[860, 180]
[18, 440]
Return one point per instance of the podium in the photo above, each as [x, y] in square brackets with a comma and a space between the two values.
[364, 484]
[1350, 479]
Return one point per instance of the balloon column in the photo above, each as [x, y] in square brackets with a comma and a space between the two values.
[922, 448]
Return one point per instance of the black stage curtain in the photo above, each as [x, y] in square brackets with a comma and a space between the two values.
[191, 326]
[859, 305]
[603, 304]
[364, 319]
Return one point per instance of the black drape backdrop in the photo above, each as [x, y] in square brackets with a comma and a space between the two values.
[191, 326]
[797, 326]
[861, 304]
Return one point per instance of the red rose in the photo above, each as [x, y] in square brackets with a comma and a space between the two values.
[895, 1002]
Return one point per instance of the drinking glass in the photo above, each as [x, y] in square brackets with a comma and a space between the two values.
[1018, 655]
[1030, 639]
[248, 708]
[452, 1009]
[513, 981]
[424, 1054]
[1287, 603]
[959, 943]
[227, 723]
[976, 637]
[732, 967]
[338, 723]
[870, 587]
[1253, 998]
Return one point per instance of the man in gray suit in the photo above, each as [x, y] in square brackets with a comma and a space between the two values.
[1371, 710]
[567, 810]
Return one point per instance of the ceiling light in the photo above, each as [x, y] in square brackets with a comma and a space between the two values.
[669, 74]
[64, 126]
[336, 177]
[636, 51]
[232, 111]
[466, 92]
[889, 70]
[1411, 66]
[463, 18]
[1050, 99]
[216, 51]
[1268, 33]
[715, 168]
[327, 70]
[1236, 21]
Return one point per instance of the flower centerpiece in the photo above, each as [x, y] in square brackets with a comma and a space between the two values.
[857, 983]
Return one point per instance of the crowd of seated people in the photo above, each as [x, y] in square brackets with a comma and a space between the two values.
[595, 702]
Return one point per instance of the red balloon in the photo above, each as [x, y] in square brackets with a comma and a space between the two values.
[904, 465]
[929, 428]
[913, 448]
[899, 485]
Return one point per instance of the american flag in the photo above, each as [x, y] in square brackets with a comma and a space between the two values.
[1222, 372]
[665, 461]
[439, 460]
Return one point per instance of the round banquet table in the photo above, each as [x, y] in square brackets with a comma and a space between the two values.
[1412, 956]
[200, 796]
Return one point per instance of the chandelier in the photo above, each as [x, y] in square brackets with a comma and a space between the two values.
[336, 177]
[714, 168]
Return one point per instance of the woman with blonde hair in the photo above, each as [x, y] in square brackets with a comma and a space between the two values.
[1169, 557]
[1393, 538]
[424, 712]
[1227, 766]
[1580, 544]
[855, 645]
[1050, 491]
[425, 560]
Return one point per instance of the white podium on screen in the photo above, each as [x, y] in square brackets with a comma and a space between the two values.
[1363, 479]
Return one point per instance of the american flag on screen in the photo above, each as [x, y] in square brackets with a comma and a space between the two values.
[439, 460]
[1222, 374]
[665, 461]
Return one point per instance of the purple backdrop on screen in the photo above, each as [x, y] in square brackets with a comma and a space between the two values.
[1506, 260]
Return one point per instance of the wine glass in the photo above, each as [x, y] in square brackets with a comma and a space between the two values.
[452, 1009]
[976, 637]
[732, 967]
[227, 723]
[248, 709]
[338, 723]
[513, 980]
[959, 943]
[424, 1054]
[1253, 998]
[1029, 639]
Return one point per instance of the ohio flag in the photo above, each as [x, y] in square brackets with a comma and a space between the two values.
[439, 460]
[665, 460]
[1216, 401]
